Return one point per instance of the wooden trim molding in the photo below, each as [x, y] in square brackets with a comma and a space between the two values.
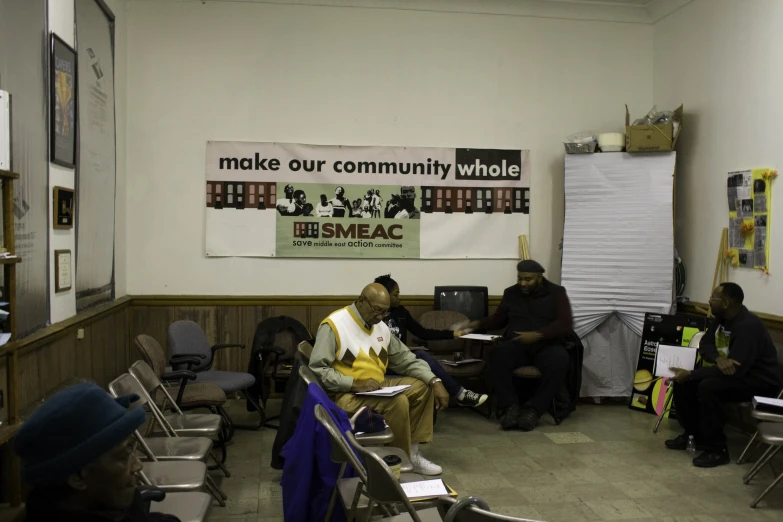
[282, 300]
[55, 331]
[773, 322]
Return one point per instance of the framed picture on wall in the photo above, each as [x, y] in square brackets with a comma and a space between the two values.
[62, 106]
[62, 271]
[63, 202]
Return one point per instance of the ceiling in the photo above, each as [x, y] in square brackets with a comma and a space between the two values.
[624, 11]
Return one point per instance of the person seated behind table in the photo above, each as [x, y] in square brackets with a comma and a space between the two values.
[79, 455]
[749, 369]
[354, 348]
[400, 321]
[536, 315]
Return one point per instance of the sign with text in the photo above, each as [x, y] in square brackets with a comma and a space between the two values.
[650, 389]
[293, 200]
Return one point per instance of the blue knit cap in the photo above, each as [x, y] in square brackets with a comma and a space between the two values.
[72, 429]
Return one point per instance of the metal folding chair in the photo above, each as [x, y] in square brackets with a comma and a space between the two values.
[772, 434]
[383, 489]
[188, 507]
[176, 423]
[191, 453]
[760, 416]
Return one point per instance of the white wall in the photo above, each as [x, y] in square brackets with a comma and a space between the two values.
[62, 305]
[351, 76]
[721, 58]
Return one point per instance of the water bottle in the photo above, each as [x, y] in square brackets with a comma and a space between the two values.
[690, 449]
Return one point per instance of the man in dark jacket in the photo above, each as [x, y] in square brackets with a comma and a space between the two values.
[79, 454]
[749, 368]
[536, 315]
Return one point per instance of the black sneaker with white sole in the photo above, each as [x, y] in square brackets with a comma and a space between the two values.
[471, 399]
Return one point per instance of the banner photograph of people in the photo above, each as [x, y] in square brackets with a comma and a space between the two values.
[294, 200]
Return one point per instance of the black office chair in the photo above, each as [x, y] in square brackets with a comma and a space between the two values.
[472, 301]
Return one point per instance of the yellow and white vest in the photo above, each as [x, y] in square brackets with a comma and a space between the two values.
[361, 353]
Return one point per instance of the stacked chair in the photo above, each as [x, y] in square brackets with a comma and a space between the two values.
[177, 446]
[770, 433]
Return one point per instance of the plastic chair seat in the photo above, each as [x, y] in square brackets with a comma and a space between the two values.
[229, 382]
[176, 476]
[376, 439]
[188, 507]
[527, 372]
[771, 433]
[179, 448]
[195, 424]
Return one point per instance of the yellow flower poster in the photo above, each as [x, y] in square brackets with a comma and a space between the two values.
[750, 205]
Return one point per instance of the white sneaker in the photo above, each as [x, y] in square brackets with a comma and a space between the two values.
[423, 466]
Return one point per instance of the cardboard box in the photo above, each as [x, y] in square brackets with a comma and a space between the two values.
[652, 138]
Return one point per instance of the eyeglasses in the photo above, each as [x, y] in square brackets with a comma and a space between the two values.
[378, 312]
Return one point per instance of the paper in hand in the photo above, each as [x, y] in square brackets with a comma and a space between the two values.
[669, 357]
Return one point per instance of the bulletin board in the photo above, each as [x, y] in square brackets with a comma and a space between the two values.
[749, 195]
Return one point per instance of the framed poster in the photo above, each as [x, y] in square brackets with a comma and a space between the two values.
[63, 88]
[63, 205]
[650, 392]
[62, 270]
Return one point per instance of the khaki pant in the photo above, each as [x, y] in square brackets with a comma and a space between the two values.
[408, 414]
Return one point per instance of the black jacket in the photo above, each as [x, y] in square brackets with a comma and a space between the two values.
[41, 508]
[295, 393]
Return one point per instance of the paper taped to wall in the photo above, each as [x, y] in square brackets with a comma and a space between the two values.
[673, 357]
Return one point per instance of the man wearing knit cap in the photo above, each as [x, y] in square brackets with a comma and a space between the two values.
[536, 315]
[79, 455]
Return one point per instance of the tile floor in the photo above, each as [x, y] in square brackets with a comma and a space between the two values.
[602, 464]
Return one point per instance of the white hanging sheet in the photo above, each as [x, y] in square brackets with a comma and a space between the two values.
[618, 251]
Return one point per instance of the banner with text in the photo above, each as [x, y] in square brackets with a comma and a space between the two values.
[293, 200]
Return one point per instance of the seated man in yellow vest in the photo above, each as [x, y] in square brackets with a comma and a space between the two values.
[353, 350]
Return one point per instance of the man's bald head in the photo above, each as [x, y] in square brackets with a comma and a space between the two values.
[374, 302]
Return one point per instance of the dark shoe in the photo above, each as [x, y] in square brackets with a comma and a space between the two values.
[712, 459]
[510, 418]
[528, 419]
[680, 442]
[471, 399]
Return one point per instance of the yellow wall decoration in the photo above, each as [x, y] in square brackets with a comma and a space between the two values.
[750, 208]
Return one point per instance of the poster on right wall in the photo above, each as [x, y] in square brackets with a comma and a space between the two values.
[749, 195]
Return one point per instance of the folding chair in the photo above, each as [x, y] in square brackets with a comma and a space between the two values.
[342, 454]
[770, 433]
[187, 507]
[383, 488]
[176, 423]
[172, 446]
[191, 453]
[760, 416]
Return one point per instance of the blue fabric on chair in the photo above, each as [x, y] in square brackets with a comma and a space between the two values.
[229, 382]
[187, 338]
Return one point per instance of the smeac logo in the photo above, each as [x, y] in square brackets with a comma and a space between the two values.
[488, 164]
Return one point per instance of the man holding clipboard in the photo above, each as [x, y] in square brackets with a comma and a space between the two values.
[749, 368]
